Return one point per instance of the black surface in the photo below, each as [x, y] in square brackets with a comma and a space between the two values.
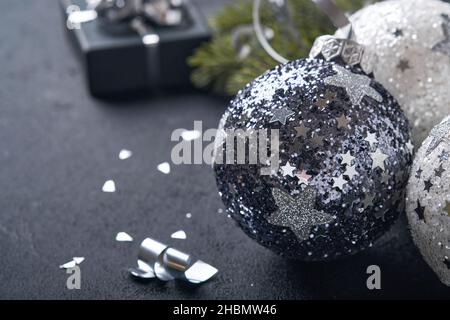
[59, 145]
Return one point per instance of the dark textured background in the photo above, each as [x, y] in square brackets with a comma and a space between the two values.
[58, 146]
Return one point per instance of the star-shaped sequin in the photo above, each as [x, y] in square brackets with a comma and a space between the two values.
[301, 131]
[317, 140]
[378, 159]
[398, 33]
[303, 177]
[342, 121]
[371, 138]
[298, 214]
[439, 134]
[439, 171]
[444, 45]
[420, 211]
[368, 201]
[288, 170]
[350, 172]
[403, 65]
[347, 158]
[325, 99]
[339, 182]
[281, 115]
[356, 85]
[428, 185]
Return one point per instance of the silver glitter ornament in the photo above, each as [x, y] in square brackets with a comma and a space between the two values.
[343, 163]
[428, 200]
[410, 42]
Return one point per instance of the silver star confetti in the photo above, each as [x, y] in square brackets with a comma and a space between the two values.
[356, 85]
[339, 182]
[347, 158]
[371, 138]
[281, 115]
[109, 186]
[350, 172]
[378, 159]
[288, 170]
[297, 214]
[123, 237]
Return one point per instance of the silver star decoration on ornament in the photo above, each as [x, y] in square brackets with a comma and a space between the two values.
[339, 182]
[356, 85]
[350, 172]
[347, 158]
[298, 214]
[403, 65]
[288, 170]
[342, 121]
[378, 159]
[438, 134]
[303, 177]
[371, 138]
[281, 115]
[444, 45]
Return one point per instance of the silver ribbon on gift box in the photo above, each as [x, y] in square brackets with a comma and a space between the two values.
[157, 260]
[139, 15]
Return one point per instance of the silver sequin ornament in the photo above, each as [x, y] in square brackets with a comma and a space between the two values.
[410, 40]
[428, 200]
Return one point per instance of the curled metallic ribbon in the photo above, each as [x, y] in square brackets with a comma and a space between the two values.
[336, 15]
[157, 260]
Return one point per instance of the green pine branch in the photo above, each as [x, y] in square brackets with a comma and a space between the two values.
[233, 57]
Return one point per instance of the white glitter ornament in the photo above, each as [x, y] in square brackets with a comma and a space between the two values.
[428, 200]
[410, 41]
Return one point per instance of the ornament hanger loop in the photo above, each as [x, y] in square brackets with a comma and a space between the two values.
[260, 34]
[336, 15]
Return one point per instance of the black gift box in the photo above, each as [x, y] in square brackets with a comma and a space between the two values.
[117, 61]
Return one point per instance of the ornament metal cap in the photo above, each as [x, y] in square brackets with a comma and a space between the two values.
[342, 51]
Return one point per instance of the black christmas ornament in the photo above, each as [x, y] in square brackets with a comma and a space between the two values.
[344, 159]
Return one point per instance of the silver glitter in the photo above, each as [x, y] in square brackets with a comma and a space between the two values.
[297, 214]
[356, 85]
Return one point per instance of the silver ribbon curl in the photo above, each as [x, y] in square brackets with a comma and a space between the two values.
[157, 260]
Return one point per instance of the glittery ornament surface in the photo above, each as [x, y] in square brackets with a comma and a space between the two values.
[428, 201]
[343, 162]
[410, 40]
